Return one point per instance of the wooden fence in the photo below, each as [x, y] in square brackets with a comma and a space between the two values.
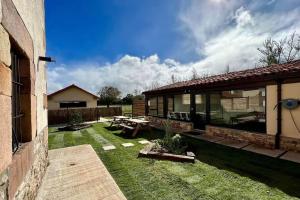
[88, 114]
[138, 107]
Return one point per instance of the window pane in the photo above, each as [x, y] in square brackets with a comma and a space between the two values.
[181, 107]
[241, 109]
[200, 115]
[74, 104]
[170, 104]
[160, 106]
[153, 106]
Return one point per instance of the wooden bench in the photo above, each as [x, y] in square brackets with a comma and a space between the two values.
[127, 127]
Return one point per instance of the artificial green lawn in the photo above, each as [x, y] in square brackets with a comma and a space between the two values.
[219, 172]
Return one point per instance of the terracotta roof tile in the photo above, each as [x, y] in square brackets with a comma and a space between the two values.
[265, 72]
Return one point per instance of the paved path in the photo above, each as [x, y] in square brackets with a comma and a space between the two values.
[77, 173]
[275, 153]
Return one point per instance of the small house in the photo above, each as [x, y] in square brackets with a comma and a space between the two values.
[72, 97]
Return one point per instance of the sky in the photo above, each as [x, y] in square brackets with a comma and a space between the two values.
[135, 45]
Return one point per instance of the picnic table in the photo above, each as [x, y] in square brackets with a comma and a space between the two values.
[117, 120]
[136, 125]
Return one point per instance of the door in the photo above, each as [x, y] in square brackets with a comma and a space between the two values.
[200, 111]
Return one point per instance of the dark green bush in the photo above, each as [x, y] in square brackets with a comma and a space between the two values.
[75, 118]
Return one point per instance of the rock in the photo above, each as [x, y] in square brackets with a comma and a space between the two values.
[189, 153]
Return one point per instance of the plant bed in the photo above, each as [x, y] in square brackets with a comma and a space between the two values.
[75, 123]
[74, 127]
[150, 152]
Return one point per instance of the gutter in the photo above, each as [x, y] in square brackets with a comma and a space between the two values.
[279, 115]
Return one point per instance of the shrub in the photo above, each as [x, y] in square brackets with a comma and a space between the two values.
[171, 142]
[75, 118]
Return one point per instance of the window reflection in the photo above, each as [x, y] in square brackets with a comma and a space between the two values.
[200, 117]
[152, 103]
[160, 106]
[179, 107]
[241, 109]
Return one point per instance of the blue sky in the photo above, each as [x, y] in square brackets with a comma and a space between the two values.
[134, 44]
[106, 30]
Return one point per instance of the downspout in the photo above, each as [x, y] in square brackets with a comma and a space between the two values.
[279, 115]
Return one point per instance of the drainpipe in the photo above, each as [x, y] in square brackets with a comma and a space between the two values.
[279, 115]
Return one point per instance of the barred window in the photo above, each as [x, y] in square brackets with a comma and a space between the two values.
[16, 102]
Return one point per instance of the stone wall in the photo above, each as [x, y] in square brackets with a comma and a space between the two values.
[288, 143]
[4, 185]
[177, 126]
[240, 135]
[33, 179]
[265, 140]
[33, 16]
[22, 31]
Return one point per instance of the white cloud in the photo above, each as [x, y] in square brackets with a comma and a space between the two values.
[128, 74]
[222, 32]
[229, 33]
[243, 17]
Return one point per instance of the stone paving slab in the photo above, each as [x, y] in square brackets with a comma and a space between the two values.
[127, 145]
[233, 143]
[291, 156]
[77, 173]
[108, 147]
[208, 137]
[261, 150]
[144, 142]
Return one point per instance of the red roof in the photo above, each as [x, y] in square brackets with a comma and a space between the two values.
[72, 86]
[273, 72]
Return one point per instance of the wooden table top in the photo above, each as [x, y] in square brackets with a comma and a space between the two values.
[121, 117]
[138, 121]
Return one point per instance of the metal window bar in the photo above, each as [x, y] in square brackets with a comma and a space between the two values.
[16, 103]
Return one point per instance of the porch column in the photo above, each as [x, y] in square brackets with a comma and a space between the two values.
[207, 95]
[192, 106]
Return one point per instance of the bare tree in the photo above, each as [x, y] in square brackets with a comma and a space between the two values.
[292, 48]
[276, 52]
[154, 85]
[227, 69]
[194, 74]
[174, 79]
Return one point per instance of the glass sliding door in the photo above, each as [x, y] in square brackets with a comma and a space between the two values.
[200, 111]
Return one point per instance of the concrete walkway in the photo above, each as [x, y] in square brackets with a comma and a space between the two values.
[275, 153]
[77, 173]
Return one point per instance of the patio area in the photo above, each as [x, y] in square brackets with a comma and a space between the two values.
[78, 173]
[219, 172]
[274, 153]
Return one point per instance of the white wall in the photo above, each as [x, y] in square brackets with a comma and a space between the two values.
[291, 90]
[71, 94]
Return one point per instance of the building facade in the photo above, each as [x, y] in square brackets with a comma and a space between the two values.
[71, 97]
[258, 105]
[23, 99]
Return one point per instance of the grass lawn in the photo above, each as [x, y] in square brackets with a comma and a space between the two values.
[219, 172]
